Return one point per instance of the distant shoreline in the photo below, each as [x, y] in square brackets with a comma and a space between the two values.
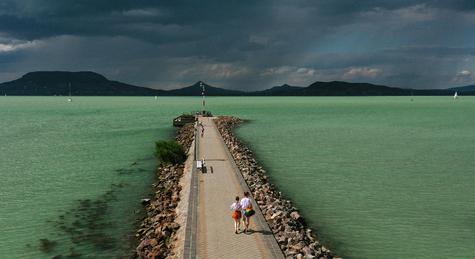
[162, 96]
[87, 83]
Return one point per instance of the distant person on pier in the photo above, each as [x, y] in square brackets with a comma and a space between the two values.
[247, 210]
[203, 166]
[236, 208]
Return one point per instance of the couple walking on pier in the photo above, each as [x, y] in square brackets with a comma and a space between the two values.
[242, 209]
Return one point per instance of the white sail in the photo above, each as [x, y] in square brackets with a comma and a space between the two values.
[455, 95]
[69, 98]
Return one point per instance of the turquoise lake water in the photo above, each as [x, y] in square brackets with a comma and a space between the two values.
[377, 177]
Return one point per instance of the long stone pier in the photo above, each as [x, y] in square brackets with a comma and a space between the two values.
[209, 230]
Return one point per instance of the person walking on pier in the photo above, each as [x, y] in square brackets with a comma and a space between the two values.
[236, 208]
[248, 212]
[202, 129]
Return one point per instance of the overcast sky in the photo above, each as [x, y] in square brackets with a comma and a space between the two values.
[243, 44]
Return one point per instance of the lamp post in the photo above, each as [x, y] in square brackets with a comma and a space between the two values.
[203, 96]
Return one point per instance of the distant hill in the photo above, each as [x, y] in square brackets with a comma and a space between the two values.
[340, 88]
[93, 84]
[49, 83]
[337, 88]
[195, 90]
[282, 90]
[463, 89]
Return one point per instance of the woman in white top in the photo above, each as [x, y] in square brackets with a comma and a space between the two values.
[236, 208]
[247, 210]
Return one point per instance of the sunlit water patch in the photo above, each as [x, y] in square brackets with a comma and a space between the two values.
[72, 174]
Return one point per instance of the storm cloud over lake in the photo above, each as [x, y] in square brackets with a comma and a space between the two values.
[248, 45]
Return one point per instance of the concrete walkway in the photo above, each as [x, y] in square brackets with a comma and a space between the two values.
[215, 237]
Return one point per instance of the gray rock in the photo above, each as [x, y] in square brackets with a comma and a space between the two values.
[278, 213]
[295, 215]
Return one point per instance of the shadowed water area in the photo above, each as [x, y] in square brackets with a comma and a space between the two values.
[375, 176]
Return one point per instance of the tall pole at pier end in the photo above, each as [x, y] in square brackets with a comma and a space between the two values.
[203, 96]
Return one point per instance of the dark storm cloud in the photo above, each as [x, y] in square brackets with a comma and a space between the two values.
[38, 19]
[243, 44]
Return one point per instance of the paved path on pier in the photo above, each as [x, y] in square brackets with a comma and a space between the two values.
[216, 191]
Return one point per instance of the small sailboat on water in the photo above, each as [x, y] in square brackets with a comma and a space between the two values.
[69, 98]
[456, 96]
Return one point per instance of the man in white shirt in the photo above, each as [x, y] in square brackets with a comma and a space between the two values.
[246, 206]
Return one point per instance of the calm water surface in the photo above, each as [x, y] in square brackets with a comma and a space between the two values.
[73, 173]
[377, 177]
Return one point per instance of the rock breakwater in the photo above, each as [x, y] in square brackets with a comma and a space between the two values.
[295, 238]
[157, 232]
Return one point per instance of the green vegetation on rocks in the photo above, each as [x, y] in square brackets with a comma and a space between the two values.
[170, 152]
